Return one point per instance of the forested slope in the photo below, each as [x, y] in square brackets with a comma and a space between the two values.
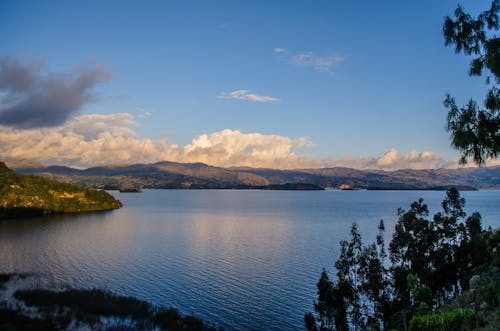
[31, 195]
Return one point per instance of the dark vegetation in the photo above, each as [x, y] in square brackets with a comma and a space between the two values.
[13, 320]
[93, 302]
[30, 195]
[4, 278]
[70, 309]
[422, 283]
[475, 130]
[441, 273]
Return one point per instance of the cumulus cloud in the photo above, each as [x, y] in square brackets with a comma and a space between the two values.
[29, 98]
[92, 125]
[87, 140]
[320, 63]
[246, 95]
[105, 139]
[98, 139]
[414, 160]
[233, 148]
[392, 159]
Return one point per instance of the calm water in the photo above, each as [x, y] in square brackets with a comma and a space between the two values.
[238, 259]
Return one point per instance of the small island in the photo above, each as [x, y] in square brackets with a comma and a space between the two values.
[30, 195]
[130, 190]
[291, 187]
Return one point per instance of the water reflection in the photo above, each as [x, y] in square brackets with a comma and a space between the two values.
[237, 258]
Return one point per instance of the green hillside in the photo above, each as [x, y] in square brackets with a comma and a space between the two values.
[23, 195]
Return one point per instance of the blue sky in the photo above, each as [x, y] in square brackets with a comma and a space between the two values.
[355, 79]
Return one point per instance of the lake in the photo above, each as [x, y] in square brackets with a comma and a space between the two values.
[238, 259]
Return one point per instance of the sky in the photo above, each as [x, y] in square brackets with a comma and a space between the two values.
[280, 84]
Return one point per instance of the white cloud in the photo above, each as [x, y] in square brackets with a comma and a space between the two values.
[90, 126]
[246, 95]
[233, 148]
[98, 139]
[320, 63]
[86, 140]
[392, 159]
[143, 113]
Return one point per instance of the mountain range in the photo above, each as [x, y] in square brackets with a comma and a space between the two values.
[172, 175]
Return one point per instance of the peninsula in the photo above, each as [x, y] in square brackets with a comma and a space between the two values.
[31, 195]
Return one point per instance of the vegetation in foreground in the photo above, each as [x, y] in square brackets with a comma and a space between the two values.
[27, 195]
[475, 129]
[440, 274]
[71, 309]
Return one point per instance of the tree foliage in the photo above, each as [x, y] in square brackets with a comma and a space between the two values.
[359, 295]
[475, 130]
[430, 262]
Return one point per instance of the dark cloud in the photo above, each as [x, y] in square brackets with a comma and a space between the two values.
[30, 99]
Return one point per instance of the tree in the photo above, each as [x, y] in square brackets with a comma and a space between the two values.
[409, 248]
[449, 230]
[349, 276]
[375, 284]
[421, 295]
[431, 262]
[431, 259]
[330, 309]
[475, 131]
[359, 296]
[340, 302]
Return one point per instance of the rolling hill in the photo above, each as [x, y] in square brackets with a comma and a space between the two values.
[172, 175]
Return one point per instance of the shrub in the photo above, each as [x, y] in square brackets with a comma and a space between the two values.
[458, 319]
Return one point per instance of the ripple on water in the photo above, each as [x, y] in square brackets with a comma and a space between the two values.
[242, 260]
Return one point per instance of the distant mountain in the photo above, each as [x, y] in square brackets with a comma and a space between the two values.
[22, 163]
[24, 195]
[408, 179]
[158, 175]
[201, 176]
